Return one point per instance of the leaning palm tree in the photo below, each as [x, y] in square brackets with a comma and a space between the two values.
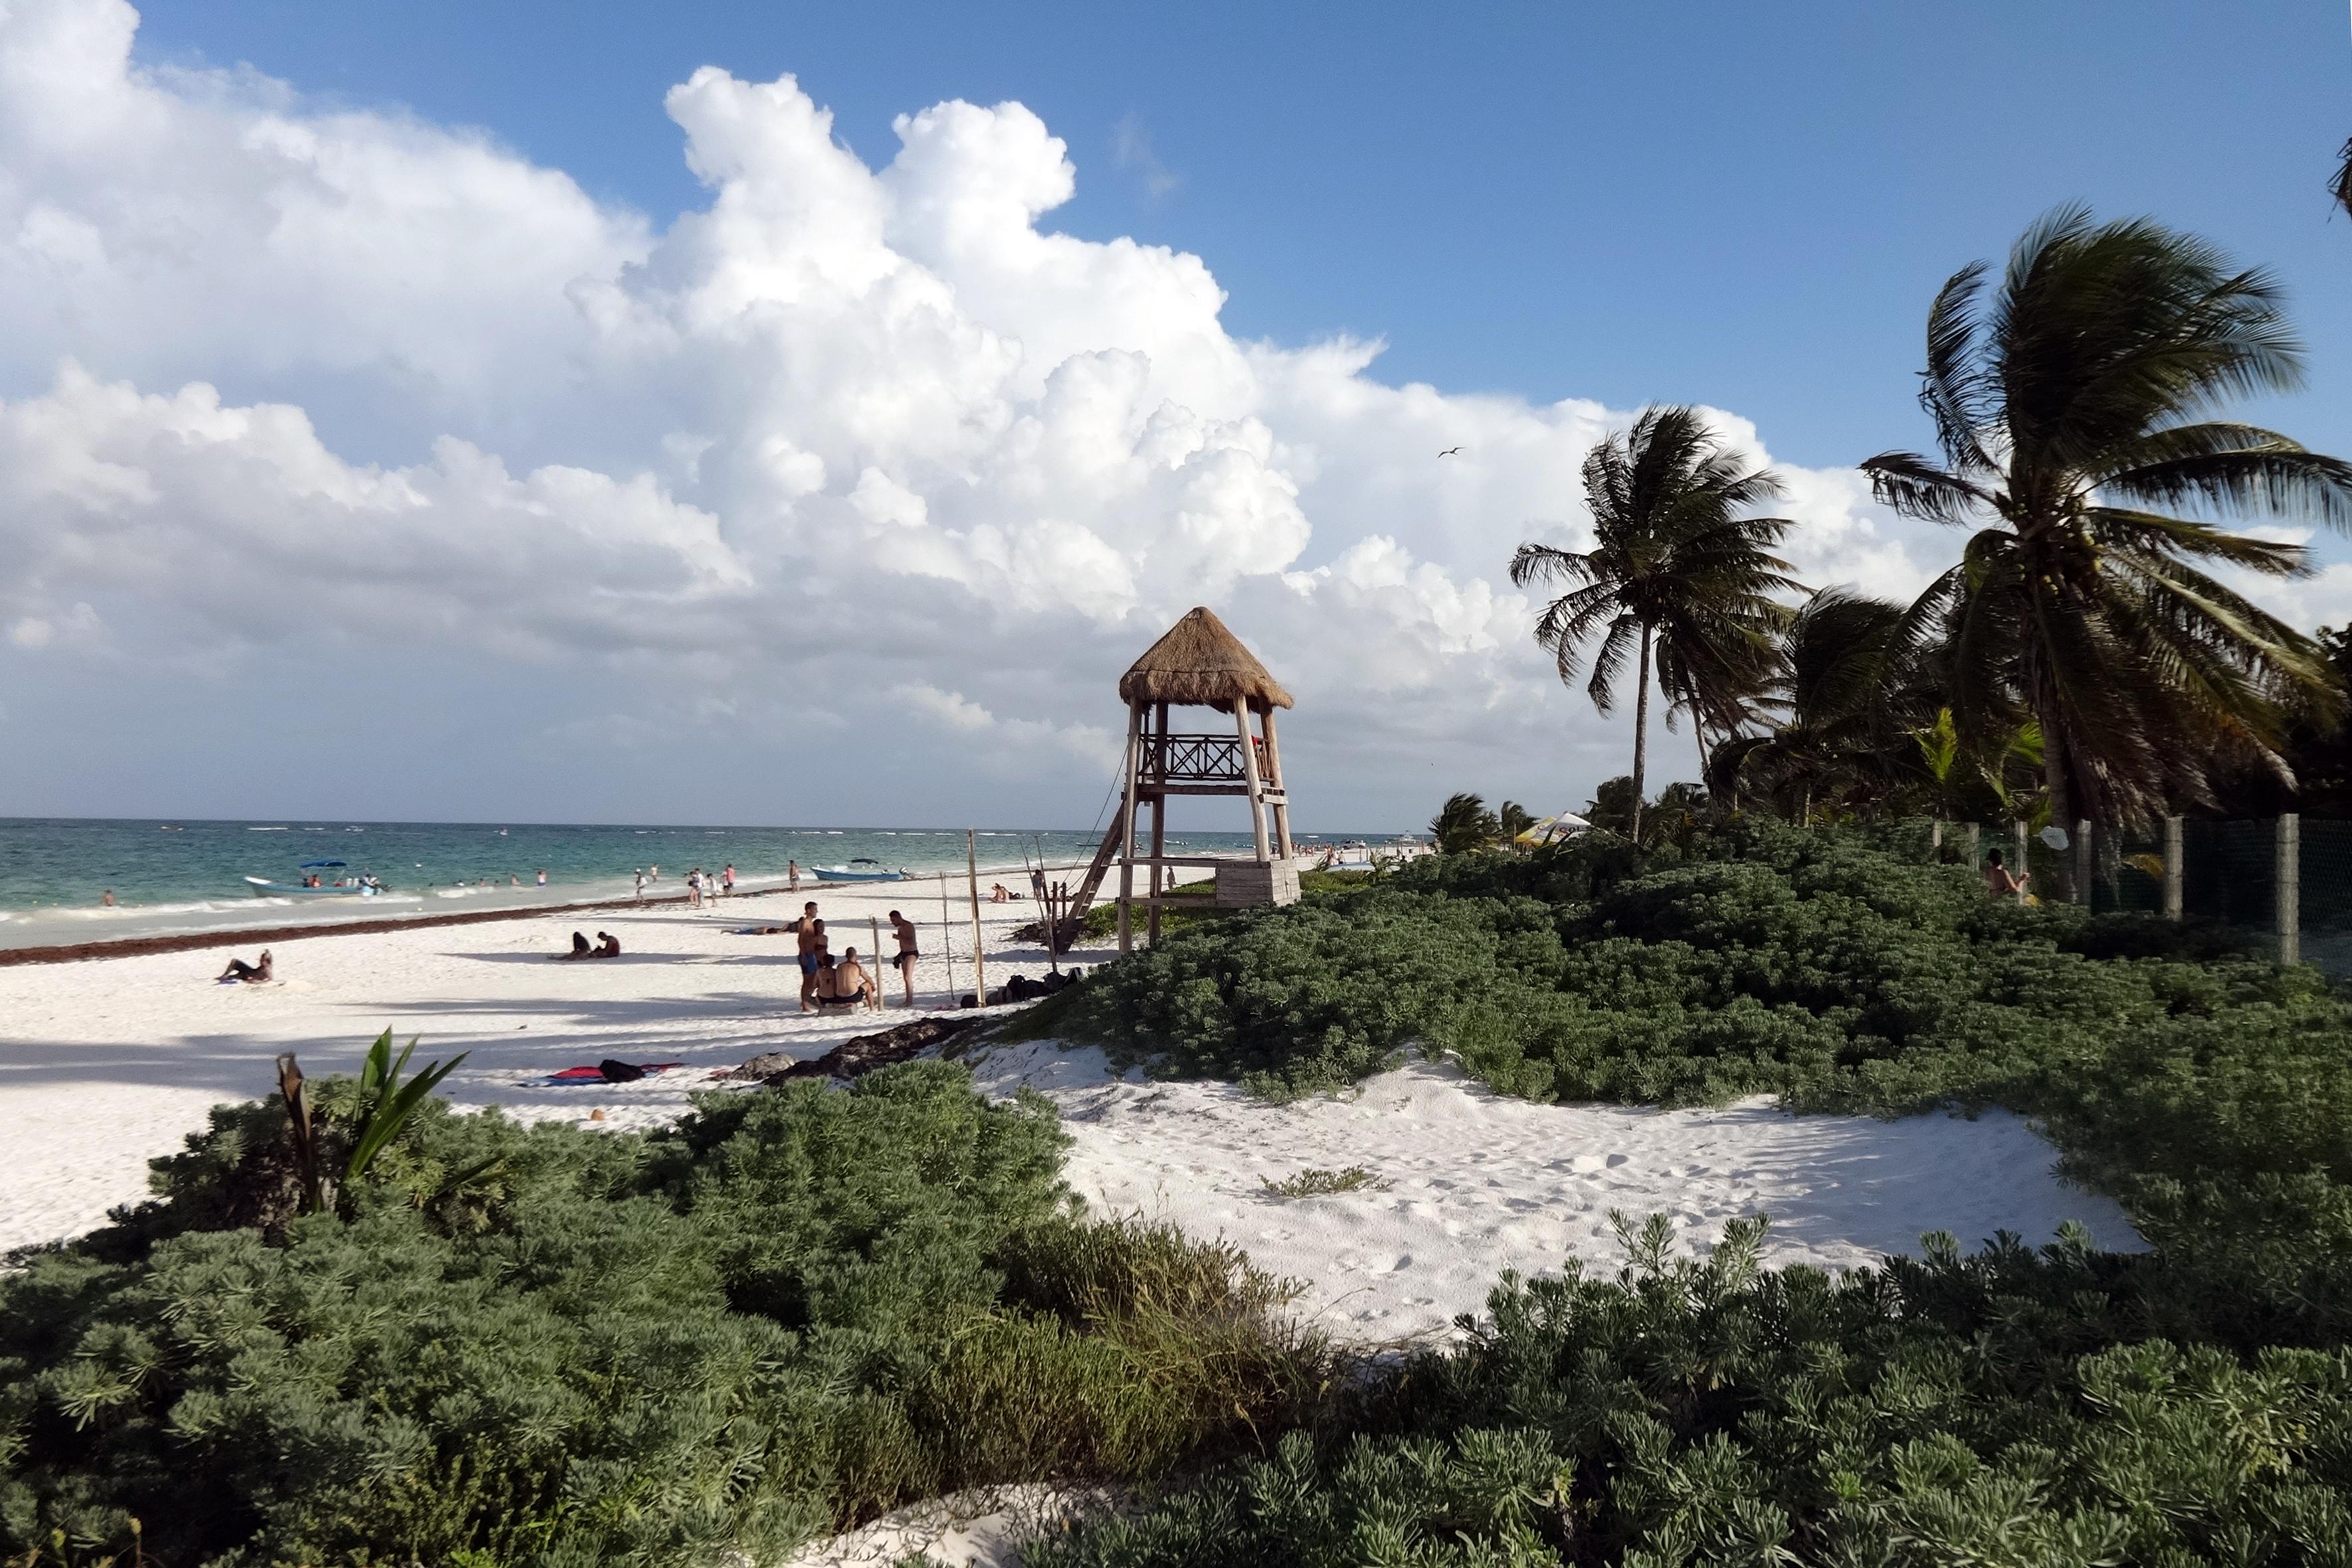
[2078, 413]
[1838, 696]
[1463, 823]
[1679, 572]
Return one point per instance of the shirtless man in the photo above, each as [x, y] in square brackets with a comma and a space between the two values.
[807, 929]
[904, 930]
[2003, 883]
[793, 870]
[852, 984]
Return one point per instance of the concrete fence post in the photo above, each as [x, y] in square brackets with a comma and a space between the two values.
[1936, 838]
[1972, 843]
[2024, 858]
[2288, 835]
[2085, 865]
[2172, 865]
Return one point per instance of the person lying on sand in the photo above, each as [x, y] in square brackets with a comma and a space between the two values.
[251, 973]
[607, 945]
[580, 948]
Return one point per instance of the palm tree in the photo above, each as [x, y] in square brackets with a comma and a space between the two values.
[2076, 413]
[1511, 819]
[1677, 571]
[1838, 692]
[1462, 823]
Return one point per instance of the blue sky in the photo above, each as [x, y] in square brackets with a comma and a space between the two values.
[388, 368]
[1747, 205]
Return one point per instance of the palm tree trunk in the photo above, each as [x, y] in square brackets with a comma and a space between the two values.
[2055, 764]
[1641, 730]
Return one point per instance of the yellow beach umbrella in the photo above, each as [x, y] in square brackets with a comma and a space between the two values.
[1545, 830]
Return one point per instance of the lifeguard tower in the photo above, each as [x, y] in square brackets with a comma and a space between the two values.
[1198, 664]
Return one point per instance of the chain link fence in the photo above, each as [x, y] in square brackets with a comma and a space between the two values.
[2283, 885]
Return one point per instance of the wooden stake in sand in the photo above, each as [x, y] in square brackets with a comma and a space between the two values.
[978, 954]
[874, 961]
[947, 938]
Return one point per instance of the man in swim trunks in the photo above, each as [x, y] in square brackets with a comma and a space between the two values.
[806, 928]
[904, 930]
[852, 984]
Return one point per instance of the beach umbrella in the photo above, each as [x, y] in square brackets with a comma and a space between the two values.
[1545, 830]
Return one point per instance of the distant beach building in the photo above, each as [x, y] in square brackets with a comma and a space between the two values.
[1198, 664]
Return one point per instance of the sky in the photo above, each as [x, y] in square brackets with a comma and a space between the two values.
[760, 413]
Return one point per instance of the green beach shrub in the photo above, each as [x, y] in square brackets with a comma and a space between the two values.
[1995, 1409]
[796, 1311]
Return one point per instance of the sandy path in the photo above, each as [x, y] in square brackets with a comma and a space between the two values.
[1476, 1183]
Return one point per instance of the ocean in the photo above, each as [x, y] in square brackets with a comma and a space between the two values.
[179, 876]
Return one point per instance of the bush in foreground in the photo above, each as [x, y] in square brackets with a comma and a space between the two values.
[798, 1310]
[1995, 1410]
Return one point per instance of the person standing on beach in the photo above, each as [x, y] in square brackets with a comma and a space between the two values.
[806, 928]
[542, 876]
[108, 897]
[694, 887]
[793, 870]
[641, 884]
[904, 930]
[727, 881]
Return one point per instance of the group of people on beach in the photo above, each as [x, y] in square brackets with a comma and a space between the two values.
[607, 945]
[829, 982]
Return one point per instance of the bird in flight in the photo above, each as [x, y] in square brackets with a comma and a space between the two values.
[1449, 451]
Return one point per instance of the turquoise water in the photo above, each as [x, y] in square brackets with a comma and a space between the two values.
[179, 876]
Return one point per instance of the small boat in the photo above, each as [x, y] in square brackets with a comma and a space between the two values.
[859, 871]
[360, 887]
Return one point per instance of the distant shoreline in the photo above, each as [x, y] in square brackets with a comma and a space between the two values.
[244, 936]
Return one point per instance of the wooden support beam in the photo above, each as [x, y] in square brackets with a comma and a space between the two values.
[1249, 765]
[1127, 825]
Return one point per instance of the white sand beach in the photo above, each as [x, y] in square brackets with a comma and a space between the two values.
[104, 1065]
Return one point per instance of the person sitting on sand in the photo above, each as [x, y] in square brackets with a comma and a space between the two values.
[251, 973]
[852, 984]
[580, 948]
[607, 945]
[2000, 882]
[826, 986]
[997, 895]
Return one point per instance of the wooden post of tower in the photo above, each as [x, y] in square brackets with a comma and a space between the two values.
[1158, 755]
[1126, 827]
[1281, 796]
[1256, 785]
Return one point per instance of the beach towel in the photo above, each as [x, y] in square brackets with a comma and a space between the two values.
[572, 1077]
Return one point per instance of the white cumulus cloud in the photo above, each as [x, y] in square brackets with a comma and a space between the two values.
[276, 379]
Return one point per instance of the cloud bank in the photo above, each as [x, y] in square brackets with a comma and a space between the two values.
[865, 466]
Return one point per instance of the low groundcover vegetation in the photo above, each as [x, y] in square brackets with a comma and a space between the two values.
[2192, 1403]
[801, 1308]
[508, 1345]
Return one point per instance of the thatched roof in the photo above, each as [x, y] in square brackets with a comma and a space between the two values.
[1200, 662]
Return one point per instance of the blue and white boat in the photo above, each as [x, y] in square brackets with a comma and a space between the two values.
[314, 883]
[859, 871]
